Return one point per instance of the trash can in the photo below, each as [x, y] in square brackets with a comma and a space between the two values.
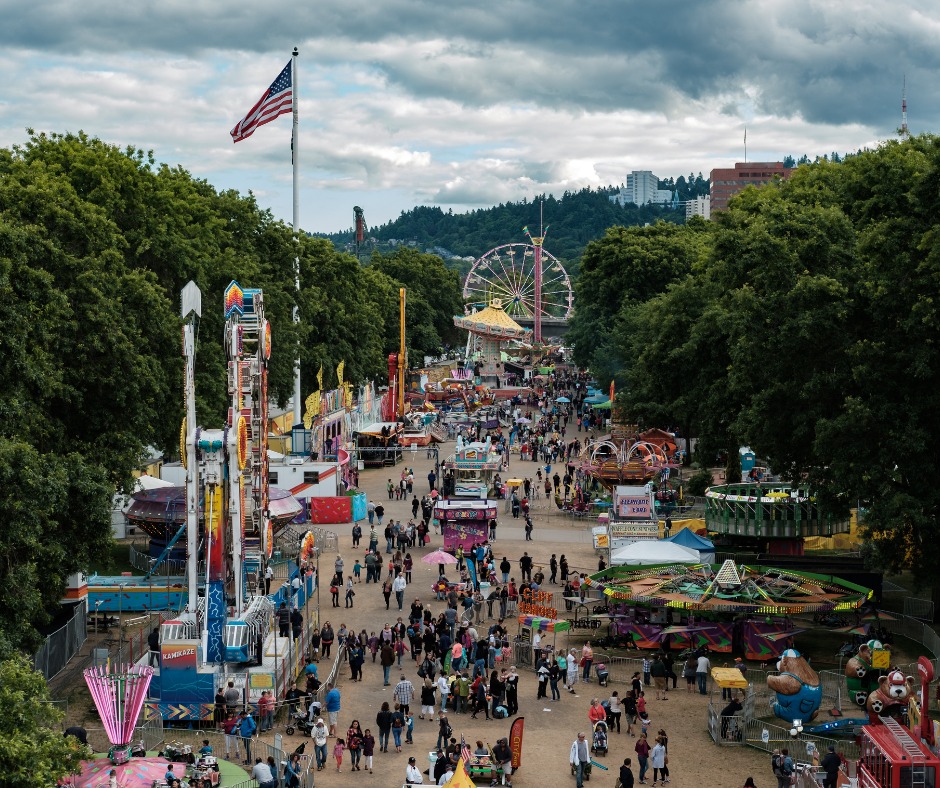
[432, 762]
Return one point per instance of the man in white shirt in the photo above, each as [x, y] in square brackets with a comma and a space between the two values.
[398, 586]
[443, 689]
[262, 773]
[702, 670]
[445, 777]
[413, 773]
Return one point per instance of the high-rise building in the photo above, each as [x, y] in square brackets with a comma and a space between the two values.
[642, 187]
[725, 183]
[699, 206]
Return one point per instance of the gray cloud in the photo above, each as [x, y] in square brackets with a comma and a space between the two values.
[829, 62]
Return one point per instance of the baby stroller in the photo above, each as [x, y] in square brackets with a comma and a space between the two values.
[602, 673]
[599, 740]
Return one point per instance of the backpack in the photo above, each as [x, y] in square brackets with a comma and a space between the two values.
[786, 767]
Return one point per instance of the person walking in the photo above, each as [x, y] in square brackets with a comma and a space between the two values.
[399, 584]
[572, 671]
[626, 774]
[615, 710]
[383, 721]
[368, 749]
[332, 703]
[830, 765]
[702, 669]
[642, 748]
[580, 757]
[587, 659]
[354, 745]
[404, 694]
[320, 735]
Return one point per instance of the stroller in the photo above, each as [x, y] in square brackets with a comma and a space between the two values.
[602, 673]
[599, 740]
[301, 721]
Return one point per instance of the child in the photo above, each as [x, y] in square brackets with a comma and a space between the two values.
[645, 722]
[357, 571]
[409, 728]
[368, 747]
[373, 644]
[338, 753]
[641, 704]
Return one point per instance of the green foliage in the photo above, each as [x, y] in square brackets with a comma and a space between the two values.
[698, 483]
[95, 245]
[575, 219]
[809, 328]
[33, 752]
[433, 298]
[626, 267]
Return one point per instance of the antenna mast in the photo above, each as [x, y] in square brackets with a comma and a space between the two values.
[904, 132]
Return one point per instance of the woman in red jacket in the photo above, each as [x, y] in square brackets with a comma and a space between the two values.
[596, 713]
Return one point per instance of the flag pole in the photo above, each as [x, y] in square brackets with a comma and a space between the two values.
[295, 159]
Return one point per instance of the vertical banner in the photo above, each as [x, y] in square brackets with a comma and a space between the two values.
[515, 741]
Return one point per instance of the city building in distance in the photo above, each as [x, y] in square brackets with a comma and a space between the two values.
[642, 188]
[699, 206]
[725, 183]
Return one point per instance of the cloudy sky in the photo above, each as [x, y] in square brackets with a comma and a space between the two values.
[467, 104]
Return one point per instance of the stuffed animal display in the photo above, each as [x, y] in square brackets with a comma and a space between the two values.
[799, 693]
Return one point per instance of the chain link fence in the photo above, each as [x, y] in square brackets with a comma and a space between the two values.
[63, 644]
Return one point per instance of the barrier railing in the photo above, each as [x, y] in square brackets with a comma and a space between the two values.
[63, 644]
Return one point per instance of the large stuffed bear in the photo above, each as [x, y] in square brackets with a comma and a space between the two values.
[799, 693]
[893, 693]
[860, 678]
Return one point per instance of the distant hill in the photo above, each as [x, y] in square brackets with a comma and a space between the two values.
[574, 220]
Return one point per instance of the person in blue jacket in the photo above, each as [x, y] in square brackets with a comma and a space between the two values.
[246, 729]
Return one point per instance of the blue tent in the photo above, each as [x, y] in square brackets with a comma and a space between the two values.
[597, 399]
[688, 538]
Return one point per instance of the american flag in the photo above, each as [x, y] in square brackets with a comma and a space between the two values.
[276, 101]
[465, 750]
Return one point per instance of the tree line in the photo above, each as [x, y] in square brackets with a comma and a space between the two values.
[575, 219]
[804, 322]
[96, 243]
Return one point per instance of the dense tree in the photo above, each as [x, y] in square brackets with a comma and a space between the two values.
[95, 245]
[33, 751]
[626, 267]
[433, 297]
[810, 329]
[575, 218]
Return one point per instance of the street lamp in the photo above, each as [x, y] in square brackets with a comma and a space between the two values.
[797, 728]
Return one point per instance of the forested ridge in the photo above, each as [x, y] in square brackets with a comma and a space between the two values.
[575, 219]
[804, 322]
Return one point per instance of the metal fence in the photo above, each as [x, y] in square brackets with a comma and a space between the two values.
[918, 608]
[150, 732]
[63, 644]
[259, 749]
[768, 736]
[169, 567]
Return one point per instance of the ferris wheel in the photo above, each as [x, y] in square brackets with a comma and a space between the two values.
[509, 272]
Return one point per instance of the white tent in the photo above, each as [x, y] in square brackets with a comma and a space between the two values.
[654, 552]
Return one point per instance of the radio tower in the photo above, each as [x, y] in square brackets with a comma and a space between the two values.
[904, 131]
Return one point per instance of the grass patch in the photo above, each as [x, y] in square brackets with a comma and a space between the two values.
[112, 561]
